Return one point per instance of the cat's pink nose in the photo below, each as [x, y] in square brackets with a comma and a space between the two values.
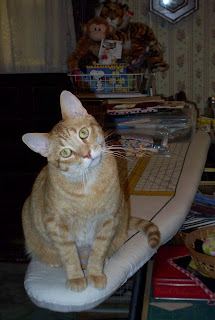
[86, 154]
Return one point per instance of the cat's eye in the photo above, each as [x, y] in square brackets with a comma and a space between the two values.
[83, 133]
[66, 153]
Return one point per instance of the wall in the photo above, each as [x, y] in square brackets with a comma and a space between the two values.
[189, 49]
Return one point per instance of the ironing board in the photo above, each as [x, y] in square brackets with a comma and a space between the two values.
[158, 189]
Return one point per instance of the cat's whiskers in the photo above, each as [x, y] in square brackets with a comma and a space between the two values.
[109, 141]
[115, 153]
[117, 147]
[120, 155]
[113, 132]
[106, 139]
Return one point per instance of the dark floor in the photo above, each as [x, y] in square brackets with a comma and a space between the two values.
[180, 310]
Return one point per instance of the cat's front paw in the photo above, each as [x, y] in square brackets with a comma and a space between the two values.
[97, 281]
[76, 284]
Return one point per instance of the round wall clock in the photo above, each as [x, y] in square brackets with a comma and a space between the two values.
[173, 10]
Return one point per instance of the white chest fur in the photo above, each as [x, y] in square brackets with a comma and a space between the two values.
[84, 239]
[86, 233]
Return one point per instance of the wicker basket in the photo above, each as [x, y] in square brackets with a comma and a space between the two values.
[179, 238]
[204, 262]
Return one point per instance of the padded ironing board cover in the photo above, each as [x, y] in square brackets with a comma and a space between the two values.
[45, 285]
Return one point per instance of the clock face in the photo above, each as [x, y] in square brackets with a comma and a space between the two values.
[173, 10]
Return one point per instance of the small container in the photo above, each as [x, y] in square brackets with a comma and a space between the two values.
[204, 262]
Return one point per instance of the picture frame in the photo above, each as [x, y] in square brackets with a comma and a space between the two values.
[173, 10]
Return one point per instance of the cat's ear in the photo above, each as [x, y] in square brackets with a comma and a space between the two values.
[38, 142]
[71, 106]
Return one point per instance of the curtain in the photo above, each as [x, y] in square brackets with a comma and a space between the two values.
[36, 36]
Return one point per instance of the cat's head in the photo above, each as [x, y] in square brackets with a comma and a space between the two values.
[75, 144]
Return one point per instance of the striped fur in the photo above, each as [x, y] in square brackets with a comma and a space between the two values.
[139, 41]
[76, 214]
[149, 228]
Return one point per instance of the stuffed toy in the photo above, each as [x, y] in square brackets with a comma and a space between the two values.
[88, 59]
[88, 46]
[140, 47]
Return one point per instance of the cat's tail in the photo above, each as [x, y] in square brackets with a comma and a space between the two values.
[149, 228]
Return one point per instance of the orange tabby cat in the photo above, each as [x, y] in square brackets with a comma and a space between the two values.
[76, 214]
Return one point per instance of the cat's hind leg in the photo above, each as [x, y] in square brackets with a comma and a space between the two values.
[36, 246]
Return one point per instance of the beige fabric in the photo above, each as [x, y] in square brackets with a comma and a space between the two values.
[36, 35]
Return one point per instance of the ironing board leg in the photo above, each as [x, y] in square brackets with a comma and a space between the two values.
[136, 303]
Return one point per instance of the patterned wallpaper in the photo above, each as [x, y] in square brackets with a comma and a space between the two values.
[189, 49]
